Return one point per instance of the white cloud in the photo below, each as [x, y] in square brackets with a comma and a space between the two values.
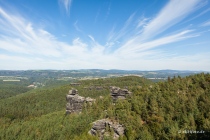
[143, 42]
[76, 27]
[142, 22]
[172, 13]
[115, 36]
[66, 4]
[23, 38]
[200, 14]
[35, 44]
[207, 23]
[91, 37]
[138, 46]
[141, 39]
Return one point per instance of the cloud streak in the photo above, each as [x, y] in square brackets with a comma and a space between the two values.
[23, 38]
[168, 17]
[139, 47]
[199, 15]
[207, 23]
[67, 5]
[148, 31]
[29, 42]
[171, 14]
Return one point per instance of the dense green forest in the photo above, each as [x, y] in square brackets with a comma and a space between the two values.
[163, 110]
[9, 89]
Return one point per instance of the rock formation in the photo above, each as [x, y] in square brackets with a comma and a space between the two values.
[75, 102]
[107, 128]
[118, 93]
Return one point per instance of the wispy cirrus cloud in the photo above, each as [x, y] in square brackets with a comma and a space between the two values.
[142, 22]
[147, 30]
[143, 38]
[23, 37]
[21, 33]
[67, 5]
[147, 35]
[124, 32]
[76, 27]
[171, 14]
[108, 11]
[207, 23]
[138, 47]
[24, 41]
[199, 15]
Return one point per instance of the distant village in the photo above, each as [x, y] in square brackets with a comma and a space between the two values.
[35, 85]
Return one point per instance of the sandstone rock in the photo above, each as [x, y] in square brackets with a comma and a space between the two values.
[116, 136]
[102, 128]
[99, 125]
[75, 102]
[101, 97]
[92, 132]
[73, 92]
[119, 129]
[118, 93]
[88, 99]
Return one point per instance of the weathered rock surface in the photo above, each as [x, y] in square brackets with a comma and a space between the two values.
[118, 93]
[75, 102]
[102, 128]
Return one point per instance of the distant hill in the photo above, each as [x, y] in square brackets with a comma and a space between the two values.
[92, 73]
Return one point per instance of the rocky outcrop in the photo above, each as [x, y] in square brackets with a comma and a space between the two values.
[118, 93]
[107, 128]
[75, 102]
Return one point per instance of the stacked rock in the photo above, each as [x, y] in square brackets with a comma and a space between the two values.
[118, 93]
[75, 102]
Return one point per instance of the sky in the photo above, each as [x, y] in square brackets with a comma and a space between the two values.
[105, 34]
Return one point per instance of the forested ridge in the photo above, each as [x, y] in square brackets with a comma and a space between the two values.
[162, 110]
[12, 88]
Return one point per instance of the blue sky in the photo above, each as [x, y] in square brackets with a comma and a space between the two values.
[105, 34]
